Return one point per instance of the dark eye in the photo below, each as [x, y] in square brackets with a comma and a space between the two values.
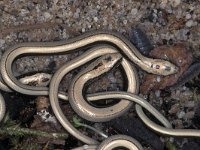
[157, 67]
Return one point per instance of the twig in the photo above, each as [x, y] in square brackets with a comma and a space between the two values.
[46, 146]
[25, 131]
[77, 123]
[92, 128]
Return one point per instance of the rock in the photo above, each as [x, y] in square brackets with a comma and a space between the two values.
[188, 16]
[189, 23]
[178, 123]
[42, 102]
[134, 11]
[189, 115]
[174, 109]
[175, 3]
[189, 104]
[95, 19]
[163, 3]
[180, 114]
[47, 15]
[158, 16]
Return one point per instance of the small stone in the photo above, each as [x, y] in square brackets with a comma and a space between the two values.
[95, 19]
[105, 23]
[175, 3]
[42, 102]
[78, 10]
[98, 7]
[24, 12]
[2, 42]
[189, 115]
[83, 29]
[55, 1]
[125, 22]
[157, 93]
[195, 23]
[178, 124]
[181, 114]
[64, 34]
[47, 15]
[89, 26]
[194, 16]
[188, 16]
[158, 79]
[163, 4]
[174, 109]
[186, 95]
[77, 13]
[134, 11]
[189, 104]
[155, 11]
[189, 23]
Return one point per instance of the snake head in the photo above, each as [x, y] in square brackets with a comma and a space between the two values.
[162, 67]
[105, 63]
